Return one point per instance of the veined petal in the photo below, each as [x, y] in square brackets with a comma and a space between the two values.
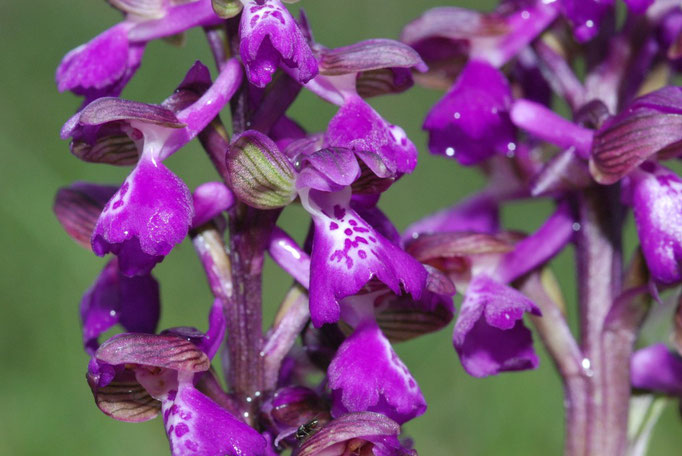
[367, 375]
[489, 334]
[145, 219]
[271, 38]
[121, 396]
[651, 124]
[195, 425]
[114, 298]
[358, 127]
[364, 433]
[169, 351]
[78, 206]
[368, 55]
[347, 252]
[657, 201]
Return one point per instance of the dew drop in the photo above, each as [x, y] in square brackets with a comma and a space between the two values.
[576, 226]
[450, 152]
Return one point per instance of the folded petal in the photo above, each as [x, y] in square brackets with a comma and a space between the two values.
[489, 334]
[658, 369]
[471, 122]
[347, 252]
[358, 127]
[195, 425]
[145, 219]
[657, 201]
[271, 38]
[114, 298]
[367, 375]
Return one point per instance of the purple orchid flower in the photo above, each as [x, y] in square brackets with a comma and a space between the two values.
[367, 375]
[152, 211]
[166, 367]
[103, 66]
[270, 38]
[347, 252]
[471, 122]
[489, 335]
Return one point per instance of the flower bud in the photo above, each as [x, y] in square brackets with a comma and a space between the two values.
[260, 175]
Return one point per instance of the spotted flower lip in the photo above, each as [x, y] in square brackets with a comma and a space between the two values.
[153, 209]
[145, 219]
[347, 252]
[367, 375]
[657, 204]
[270, 38]
[489, 334]
[471, 122]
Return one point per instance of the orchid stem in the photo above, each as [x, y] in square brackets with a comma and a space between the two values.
[599, 282]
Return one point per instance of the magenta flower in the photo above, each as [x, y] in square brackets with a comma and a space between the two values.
[270, 38]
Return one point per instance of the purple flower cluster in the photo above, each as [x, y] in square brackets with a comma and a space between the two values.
[359, 284]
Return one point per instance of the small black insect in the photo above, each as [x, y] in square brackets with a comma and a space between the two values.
[306, 430]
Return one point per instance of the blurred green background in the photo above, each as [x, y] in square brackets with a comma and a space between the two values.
[46, 403]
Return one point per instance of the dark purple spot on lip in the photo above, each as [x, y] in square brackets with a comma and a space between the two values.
[359, 229]
[181, 429]
[339, 212]
[362, 254]
[352, 222]
[117, 204]
[360, 239]
[124, 189]
[372, 239]
[333, 226]
[191, 445]
[348, 231]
